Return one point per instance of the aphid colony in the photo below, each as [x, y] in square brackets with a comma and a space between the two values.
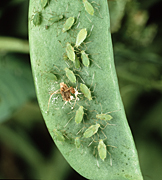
[78, 57]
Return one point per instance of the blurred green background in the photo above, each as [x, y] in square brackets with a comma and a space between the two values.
[26, 149]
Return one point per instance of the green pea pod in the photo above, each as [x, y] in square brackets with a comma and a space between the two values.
[46, 52]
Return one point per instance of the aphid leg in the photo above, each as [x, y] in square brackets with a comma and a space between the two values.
[88, 19]
[67, 6]
[67, 102]
[77, 19]
[95, 154]
[86, 71]
[80, 78]
[80, 131]
[110, 157]
[93, 140]
[97, 8]
[95, 63]
[90, 31]
[78, 25]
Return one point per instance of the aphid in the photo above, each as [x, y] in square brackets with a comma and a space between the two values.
[85, 91]
[70, 75]
[91, 131]
[81, 37]
[43, 3]
[70, 52]
[76, 62]
[55, 18]
[85, 58]
[50, 76]
[102, 149]
[37, 19]
[68, 24]
[65, 93]
[104, 117]
[79, 115]
[58, 135]
[47, 26]
[77, 142]
[88, 7]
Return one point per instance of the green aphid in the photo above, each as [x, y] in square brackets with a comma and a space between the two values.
[43, 3]
[47, 27]
[91, 131]
[77, 142]
[104, 117]
[50, 76]
[81, 37]
[37, 19]
[88, 7]
[70, 52]
[70, 75]
[102, 151]
[76, 62]
[79, 115]
[58, 135]
[85, 59]
[85, 91]
[68, 24]
[55, 18]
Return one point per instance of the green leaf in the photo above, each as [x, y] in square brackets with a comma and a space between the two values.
[16, 84]
[117, 11]
[47, 49]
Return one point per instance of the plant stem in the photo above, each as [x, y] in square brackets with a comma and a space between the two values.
[10, 44]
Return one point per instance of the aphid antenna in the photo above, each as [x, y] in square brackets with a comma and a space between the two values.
[108, 124]
[108, 112]
[61, 44]
[55, 67]
[113, 111]
[102, 109]
[111, 146]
